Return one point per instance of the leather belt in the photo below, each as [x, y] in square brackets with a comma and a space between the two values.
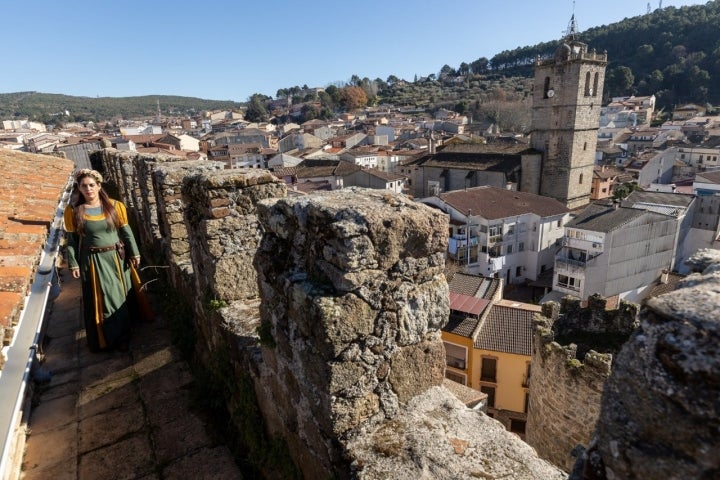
[101, 249]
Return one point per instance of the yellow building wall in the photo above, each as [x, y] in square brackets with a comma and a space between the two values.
[470, 366]
[511, 370]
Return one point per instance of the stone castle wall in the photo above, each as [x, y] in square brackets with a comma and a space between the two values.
[337, 325]
[660, 416]
[572, 355]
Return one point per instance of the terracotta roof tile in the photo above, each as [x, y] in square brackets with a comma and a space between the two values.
[493, 203]
[507, 329]
[29, 196]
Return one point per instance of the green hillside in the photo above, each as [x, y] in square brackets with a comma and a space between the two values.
[53, 108]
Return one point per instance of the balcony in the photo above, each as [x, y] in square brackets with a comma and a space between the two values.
[570, 262]
[495, 239]
[455, 362]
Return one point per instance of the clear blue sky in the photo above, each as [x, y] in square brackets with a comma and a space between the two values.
[230, 49]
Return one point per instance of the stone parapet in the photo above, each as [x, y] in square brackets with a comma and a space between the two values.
[329, 307]
[660, 414]
[220, 214]
[355, 297]
[572, 354]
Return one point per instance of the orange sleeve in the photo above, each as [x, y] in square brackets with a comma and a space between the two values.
[69, 217]
[121, 213]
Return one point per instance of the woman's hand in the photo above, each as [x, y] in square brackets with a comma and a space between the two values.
[75, 272]
[135, 261]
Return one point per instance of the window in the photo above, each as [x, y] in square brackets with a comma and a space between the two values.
[521, 246]
[595, 84]
[509, 249]
[559, 223]
[585, 146]
[495, 230]
[488, 370]
[517, 426]
[546, 87]
[455, 356]
[587, 84]
[511, 229]
[569, 282]
[518, 271]
[581, 179]
[490, 391]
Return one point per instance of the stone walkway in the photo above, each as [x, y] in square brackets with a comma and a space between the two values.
[117, 415]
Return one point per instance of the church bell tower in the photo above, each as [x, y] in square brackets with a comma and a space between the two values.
[567, 97]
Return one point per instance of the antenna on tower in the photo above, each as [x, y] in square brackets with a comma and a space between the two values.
[572, 30]
[648, 8]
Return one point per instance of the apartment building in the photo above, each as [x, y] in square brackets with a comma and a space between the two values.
[619, 250]
[502, 233]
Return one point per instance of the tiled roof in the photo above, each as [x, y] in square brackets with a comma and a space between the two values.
[507, 329]
[461, 324]
[473, 285]
[599, 217]
[711, 177]
[387, 176]
[660, 288]
[325, 168]
[658, 198]
[493, 203]
[469, 396]
[29, 195]
[143, 138]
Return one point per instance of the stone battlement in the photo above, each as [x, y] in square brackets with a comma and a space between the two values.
[330, 307]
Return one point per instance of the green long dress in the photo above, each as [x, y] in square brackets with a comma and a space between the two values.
[108, 302]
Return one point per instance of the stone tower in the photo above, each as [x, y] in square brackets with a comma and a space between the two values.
[565, 118]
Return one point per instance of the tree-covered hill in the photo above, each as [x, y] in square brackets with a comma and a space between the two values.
[54, 108]
[673, 53]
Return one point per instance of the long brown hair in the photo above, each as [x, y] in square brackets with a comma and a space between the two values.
[108, 206]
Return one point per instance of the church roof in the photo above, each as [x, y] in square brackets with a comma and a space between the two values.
[476, 156]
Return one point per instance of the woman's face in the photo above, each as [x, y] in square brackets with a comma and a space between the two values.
[90, 189]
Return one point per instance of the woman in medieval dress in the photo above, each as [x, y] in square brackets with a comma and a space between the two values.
[98, 237]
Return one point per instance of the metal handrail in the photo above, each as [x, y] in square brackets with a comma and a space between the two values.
[15, 375]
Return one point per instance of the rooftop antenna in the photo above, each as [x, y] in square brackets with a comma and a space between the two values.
[572, 31]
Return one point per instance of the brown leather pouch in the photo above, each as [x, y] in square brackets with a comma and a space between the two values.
[121, 250]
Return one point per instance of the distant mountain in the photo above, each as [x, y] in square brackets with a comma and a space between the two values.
[53, 108]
